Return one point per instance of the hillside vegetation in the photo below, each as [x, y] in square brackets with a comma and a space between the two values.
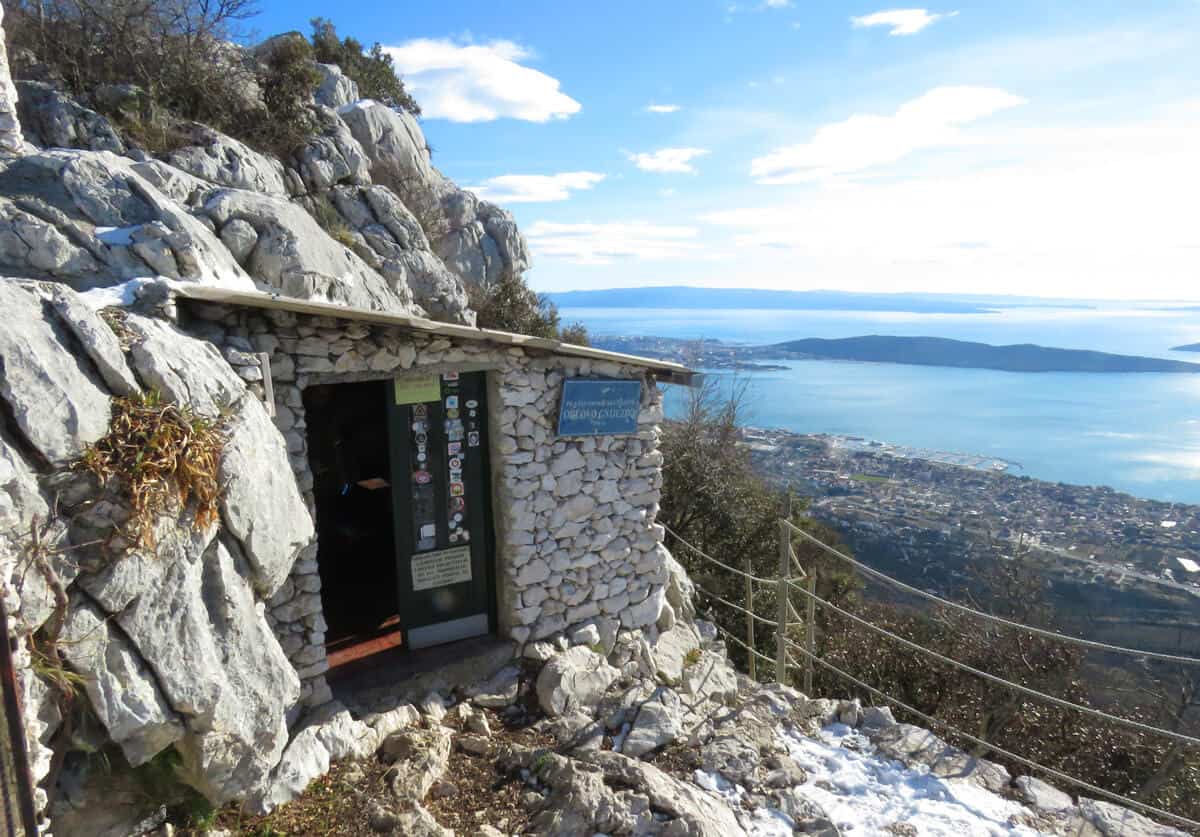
[713, 499]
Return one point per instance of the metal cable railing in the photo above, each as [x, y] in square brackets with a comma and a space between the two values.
[1087, 643]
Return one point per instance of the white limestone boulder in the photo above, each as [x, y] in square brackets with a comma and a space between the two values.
[225, 161]
[574, 680]
[336, 89]
[34, 362]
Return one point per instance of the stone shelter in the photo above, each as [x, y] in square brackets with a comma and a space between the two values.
[448, 501]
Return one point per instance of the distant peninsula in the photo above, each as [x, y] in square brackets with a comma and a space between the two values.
[692, 298]
[938, 351]
[1187, 347]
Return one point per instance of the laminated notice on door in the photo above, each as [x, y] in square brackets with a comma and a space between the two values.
[441, 568]
[418, 390]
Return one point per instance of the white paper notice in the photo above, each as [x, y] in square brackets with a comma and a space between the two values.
[442, 568]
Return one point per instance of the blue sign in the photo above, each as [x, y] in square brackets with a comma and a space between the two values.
[593, 407]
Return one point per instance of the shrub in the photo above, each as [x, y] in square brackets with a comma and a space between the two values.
[288, 83]
[511, 305]
[373, 71]
[416, 195]
[176, 54]
[157, 455]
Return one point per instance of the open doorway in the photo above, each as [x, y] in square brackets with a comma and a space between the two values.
[350, 460]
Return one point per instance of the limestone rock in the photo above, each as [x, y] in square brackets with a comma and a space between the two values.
[575, 679]
[1109, 820]
[336, 89]
[391, 138]
[120, 687]
[659, 721]
[419, 759]
[220, 159]
[295, 256]
[35, 361]
[51, 119]
[20, 500]
[220, 666]
[911, 744]
[96, 338]
[1042, 795]
[10, 127]
[261, 504]
[331, 155]
[91, 219]
[185, 370]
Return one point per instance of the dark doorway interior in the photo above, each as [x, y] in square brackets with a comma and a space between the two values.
[349, 456]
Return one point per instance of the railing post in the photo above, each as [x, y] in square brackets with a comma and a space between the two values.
[750, 622]
[810, 630]
[785, 573]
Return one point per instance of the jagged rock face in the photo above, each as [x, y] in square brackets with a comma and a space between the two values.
[294, 255]
[482, 241]
[173, 643]
[89, 219]
[10, 126]
[225, 161]
[336, 88]
[50, 119]
[331, 156]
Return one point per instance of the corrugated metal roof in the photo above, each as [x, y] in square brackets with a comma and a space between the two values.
[664, 369]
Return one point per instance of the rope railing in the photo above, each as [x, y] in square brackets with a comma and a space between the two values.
[1087, 643]
[1029, 763]
[1034, 693]
[720, 564]
[788, 614]
[737, 607]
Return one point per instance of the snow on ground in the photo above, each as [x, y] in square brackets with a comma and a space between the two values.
[863, 793]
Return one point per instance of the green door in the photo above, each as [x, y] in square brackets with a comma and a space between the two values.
[442, 496]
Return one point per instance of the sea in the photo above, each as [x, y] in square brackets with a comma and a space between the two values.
[1137, 433]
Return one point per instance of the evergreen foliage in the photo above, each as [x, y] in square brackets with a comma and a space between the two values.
[372, 70]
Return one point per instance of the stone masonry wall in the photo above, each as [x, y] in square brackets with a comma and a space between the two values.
[576, 538]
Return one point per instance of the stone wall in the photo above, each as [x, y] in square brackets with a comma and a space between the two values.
[576, 538]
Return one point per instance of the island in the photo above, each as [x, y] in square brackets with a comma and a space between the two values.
[940, 351]
[916, 351]
[1187, 347]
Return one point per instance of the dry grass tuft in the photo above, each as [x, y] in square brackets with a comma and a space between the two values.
[156, 454]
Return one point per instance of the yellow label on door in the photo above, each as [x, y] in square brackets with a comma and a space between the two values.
[420, 390]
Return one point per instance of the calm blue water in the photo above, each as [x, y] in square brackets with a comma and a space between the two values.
[1138, 433]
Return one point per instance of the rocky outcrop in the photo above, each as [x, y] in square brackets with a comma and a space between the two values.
[50, 119]
[336, 88]
[224, 161]
[479, 242]
[90, 219]
[11, 140]
[172, 644]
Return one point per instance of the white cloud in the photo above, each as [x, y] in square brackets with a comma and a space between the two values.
[667, 160]
[1088, 210]
[535, 188]
[662, 108]
[608, 242]
[867, 140]
[902, 21]
[478, 82]
[777, 4]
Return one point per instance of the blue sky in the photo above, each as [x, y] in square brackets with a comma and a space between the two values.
[1045, 148]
